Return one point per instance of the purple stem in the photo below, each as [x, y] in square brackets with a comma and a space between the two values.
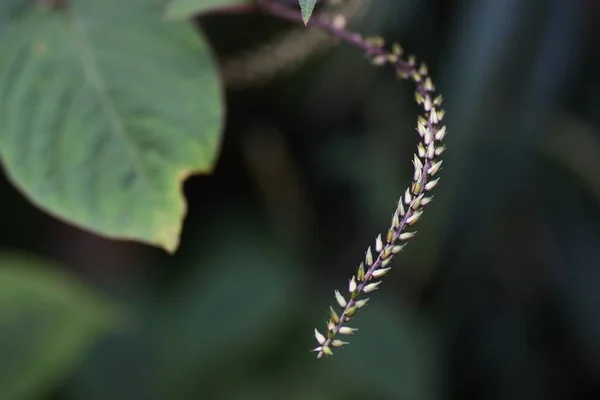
[325, 24]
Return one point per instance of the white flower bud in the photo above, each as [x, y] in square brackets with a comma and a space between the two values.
[371, 287]
[340, 299]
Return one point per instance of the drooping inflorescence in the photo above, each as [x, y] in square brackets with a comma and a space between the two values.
[426, 164]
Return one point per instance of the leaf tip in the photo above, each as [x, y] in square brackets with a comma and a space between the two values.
[306, 8]
[169, 242]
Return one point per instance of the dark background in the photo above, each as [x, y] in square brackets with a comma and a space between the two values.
[498, 296]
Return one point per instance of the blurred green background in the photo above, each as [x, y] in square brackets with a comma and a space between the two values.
[498, 296]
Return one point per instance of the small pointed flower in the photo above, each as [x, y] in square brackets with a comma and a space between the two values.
[441, 133]
[419, 98]
[428, 137]
[381, 272]
[331, 333]
[352, 285]
[414, 218]
[423, 69]
[426, 200]
[416, 187]
[386, 253]
[398, 248]
[417, 202]
[440, 150]
[407, 197]
[330, 326]
[369, 257]
[421, 150]
[338, 343]
[320, 338]
[421, 128]
[395, 221]
[435, 168]
[406, 235]
[327, 351]
[397, 49]
[401, 207]
[378, 244]
[417, 174]
[345, 330]
[441, 114]
[340, 299]
[361, 272]
[350, 312]
[376, 41]
[426, 103]
[402, 73]
[433, 117]
[431, 184]
[422, 120]
[428, 85]
[417, 162]
[317, 349]
[438, 101]
[334, 317]
[390, 236]
[361, 303]
[385, 262]
[430, 151]
[339, 21]
[371, 287]
[379, 60]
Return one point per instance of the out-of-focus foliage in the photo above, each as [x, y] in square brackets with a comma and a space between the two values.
[182, 9]
[47, 323]
[105, 110]
[497, 296]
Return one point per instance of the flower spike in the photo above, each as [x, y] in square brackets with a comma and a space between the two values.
[426, 165]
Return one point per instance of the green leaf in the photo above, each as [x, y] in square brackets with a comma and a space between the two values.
[47, 323]
[10, 9]
[233, 306]
[184, 9]
[104, 110]
[230, 307]
[307, 7]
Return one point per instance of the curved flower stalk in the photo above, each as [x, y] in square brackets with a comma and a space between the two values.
[286, 52]
[426, 164]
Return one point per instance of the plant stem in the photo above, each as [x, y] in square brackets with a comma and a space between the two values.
[425, 162]
[325, 24]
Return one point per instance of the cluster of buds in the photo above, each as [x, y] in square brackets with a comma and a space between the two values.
[426, 163]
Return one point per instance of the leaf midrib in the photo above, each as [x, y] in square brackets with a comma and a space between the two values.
[92, 74]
